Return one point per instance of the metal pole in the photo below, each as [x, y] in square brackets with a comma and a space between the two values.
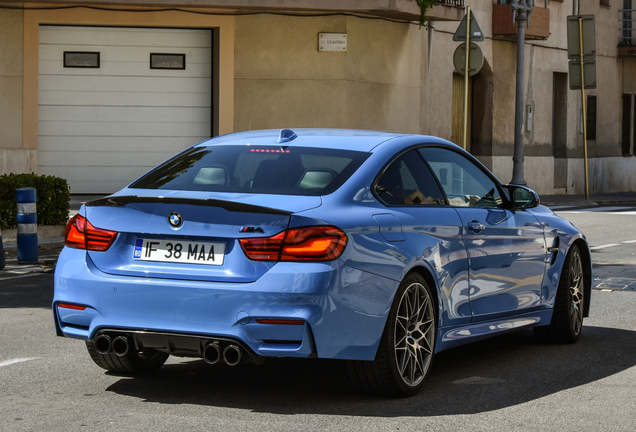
[587, 187]
[466, 73]
[517, 167]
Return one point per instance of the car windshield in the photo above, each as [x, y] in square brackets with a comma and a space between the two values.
[255, 169]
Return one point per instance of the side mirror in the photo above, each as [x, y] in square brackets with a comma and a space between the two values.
[522, 197]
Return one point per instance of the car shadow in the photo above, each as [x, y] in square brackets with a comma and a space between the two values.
[501, 372]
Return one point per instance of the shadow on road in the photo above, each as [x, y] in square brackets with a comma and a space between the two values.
[485, 376]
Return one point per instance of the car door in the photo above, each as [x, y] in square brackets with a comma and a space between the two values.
[419, 223]
[506, 247]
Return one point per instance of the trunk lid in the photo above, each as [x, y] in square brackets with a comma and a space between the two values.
[203, 247]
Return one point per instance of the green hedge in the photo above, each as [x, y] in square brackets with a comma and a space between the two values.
[53, 195]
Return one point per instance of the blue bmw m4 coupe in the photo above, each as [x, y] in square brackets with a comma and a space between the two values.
[380, 249]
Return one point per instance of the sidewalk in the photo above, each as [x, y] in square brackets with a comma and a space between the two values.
[45, 239]
[619, 198]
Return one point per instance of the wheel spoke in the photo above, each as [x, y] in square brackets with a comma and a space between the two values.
[576, 293]
[576, 318]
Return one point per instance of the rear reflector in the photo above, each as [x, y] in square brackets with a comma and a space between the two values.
[71, 306]
[81, 234]
[319, 243]
[279, 321]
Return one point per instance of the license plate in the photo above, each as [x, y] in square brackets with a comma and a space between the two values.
[179, 251]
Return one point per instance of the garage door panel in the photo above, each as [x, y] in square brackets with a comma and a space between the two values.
[95, 180]
[126, 69]
[124, 114]
[177, 100]
[126, 54]
[111, 36]
[105, 159]
[102, 128]
[170, 145]
[124, 84]
[68, 130]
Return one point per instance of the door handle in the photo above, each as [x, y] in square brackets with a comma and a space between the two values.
[476, 226]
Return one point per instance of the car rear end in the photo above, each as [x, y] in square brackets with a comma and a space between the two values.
[207, 256]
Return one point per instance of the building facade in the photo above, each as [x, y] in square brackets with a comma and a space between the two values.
[99, 92]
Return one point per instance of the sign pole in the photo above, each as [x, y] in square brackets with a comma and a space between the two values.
[522, 8]
[587, 187]
[465, 138]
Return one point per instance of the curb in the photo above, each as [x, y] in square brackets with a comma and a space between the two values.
[48, 236]
[44, 232]
[590, 203]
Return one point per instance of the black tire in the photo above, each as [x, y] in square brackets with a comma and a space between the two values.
[567, 318]
[405, 354]
[133, 363]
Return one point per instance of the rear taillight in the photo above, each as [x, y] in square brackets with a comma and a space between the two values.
[319, 243]
[81, 234]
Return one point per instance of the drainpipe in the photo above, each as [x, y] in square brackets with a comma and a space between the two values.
[431, 33]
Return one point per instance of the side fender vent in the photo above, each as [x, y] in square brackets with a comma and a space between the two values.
[554, 250]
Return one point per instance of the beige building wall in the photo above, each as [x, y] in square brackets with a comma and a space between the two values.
[14, 157]
[493, 129]
[393, 76]
[283, 80]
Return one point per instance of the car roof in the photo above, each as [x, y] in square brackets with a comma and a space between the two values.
[345, 139]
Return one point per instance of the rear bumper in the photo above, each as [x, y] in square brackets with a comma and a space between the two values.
[344, 310]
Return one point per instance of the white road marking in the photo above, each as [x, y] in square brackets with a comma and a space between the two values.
[630, 241]
[18, 360]
[603, 246]
[21, 276]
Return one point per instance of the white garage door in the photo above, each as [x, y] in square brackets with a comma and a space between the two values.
[114, 102]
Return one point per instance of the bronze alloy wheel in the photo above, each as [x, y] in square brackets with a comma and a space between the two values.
[576, 285]
[405, 353]
[569, 304]
[414, 334]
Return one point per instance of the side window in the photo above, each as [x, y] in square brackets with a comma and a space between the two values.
[408, 181]
[464, 183]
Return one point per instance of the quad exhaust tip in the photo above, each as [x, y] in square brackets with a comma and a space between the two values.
[105, 345]
[211, 353]
[120, 345]
[232, 355]
[102, 344]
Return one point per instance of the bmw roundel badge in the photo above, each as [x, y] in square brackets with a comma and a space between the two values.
[175, 219]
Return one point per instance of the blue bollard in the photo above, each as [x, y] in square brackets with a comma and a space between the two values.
[27, 226]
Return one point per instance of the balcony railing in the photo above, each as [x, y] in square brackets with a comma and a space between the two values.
[459, 3]
[627, 31]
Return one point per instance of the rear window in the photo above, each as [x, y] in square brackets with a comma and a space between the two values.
[255, 169]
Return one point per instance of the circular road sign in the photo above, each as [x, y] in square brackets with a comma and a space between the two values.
[475, 62]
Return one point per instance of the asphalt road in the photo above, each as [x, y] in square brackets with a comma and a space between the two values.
[508, 383]
[611, 233]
